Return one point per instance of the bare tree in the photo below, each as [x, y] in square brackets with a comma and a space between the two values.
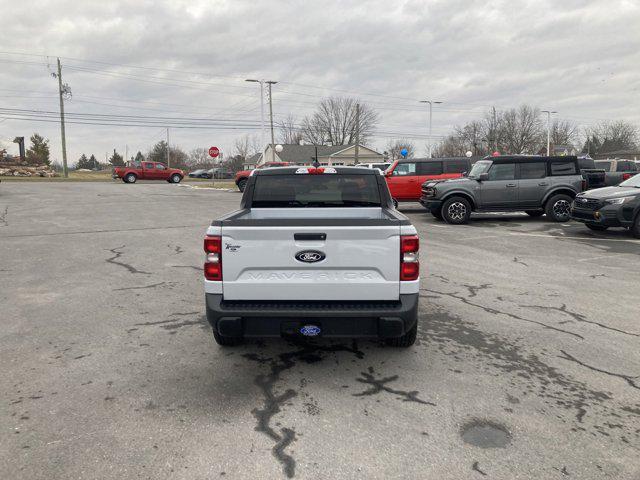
[563, 132]
[394, 147]
[288, 132]
[245, 146]
[199, 158]
[612, 136]
[522, 130]
[450, 146]
[334, 122]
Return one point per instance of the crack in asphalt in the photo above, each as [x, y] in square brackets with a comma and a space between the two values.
[476, 468]
[377, 385]
[515, 260]
[273, 402]
[187, 266]
[176, 323]
[3, 217]
[580, 318]
[117, 254]
[494, 311]
[474, 289]
[154, 285]
[631, 380]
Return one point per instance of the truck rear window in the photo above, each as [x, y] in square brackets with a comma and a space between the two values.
[320, 191]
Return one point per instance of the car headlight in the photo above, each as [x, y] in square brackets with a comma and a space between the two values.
[617, 201]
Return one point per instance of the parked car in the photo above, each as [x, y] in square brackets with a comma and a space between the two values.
[380, 166]
[617, 206]
[313, 251]
[243, 175]
[617, 170]
[201, 173]
[595, 177]
[405, 177]
[148, 171]
[534, 184]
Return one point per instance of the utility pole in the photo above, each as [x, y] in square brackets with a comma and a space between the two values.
[548, 130]
[62, 132]
[261, 82]
[126, 154]
[430, 102]
[495, 130]
[168, 156]
[273, 147]
[357, 133]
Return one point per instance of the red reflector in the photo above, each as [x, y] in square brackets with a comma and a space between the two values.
[409, 243]
[409, 271]
[213, 244]
[213, 271]
[626, 176]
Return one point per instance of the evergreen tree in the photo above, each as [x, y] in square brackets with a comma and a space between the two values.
[84, 162]
[139, 157]
[38, 152]
[116, 159]
[93, 161]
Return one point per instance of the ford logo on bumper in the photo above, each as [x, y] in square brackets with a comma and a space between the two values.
[310, 256]
[310, 330]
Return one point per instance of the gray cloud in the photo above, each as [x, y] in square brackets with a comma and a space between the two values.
[578, 57]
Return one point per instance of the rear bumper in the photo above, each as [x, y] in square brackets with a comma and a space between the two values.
[386, 319]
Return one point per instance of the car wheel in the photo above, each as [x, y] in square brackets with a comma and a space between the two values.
[405, 340]
[635, 229]
[226, 341]
[535, 213]
[437, 213]
[242, 184]
[131, 178]
[558, 208]
[175, 178]
[456, 210]
[395, 203]
[596, 228]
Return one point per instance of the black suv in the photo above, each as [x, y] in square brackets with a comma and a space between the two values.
[617, 206]
[534, 184]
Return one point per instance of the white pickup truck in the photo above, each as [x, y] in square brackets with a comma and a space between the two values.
[313, 252]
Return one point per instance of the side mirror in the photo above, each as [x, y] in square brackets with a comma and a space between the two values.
[483, 177]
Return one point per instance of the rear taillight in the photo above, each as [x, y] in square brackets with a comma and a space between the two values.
[213, 262]
[584, 184]
[626, 176]
[409, 257]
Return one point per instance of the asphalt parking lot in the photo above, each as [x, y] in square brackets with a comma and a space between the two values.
[527, 365]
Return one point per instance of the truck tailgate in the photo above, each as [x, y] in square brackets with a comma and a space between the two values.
[361, 263]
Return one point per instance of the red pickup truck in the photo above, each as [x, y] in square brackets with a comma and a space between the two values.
[148, 171]
[243, 175]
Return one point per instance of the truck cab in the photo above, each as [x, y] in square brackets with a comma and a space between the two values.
[313, 251]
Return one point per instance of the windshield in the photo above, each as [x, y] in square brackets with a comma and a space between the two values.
[319, 191]
[479, 167]
[631, 182]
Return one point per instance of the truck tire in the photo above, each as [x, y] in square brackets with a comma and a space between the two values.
[241, 184]
[456, 210]
[130, 178]
[436, 212]
[534, 213]
[406, 340]
[558, 208]
[635, 228]
[176, 178]
[226, 341]
[395, 203]
[596, 228]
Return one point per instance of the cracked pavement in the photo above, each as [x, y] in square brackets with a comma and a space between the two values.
[110, 370]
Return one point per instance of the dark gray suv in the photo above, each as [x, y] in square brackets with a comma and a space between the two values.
[534, 184]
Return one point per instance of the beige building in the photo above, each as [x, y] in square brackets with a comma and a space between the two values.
[327, 155]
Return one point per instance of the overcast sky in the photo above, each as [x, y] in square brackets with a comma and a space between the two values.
[579, 57]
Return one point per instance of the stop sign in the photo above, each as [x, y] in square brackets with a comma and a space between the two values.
[214, 152]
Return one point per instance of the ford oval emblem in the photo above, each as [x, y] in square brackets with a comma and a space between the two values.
[310, 330]
[310, 256]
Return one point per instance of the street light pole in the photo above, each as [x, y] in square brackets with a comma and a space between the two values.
[549, 112]
[430, 102]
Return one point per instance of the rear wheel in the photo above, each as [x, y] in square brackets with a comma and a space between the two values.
[535, 213]
[635, 229]
[130, 178]
[596, 228]
[175, 178]
[226, 341]
[558, 208]
[242, 183]
[406, 340]
[437, 213]
[456, 210]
